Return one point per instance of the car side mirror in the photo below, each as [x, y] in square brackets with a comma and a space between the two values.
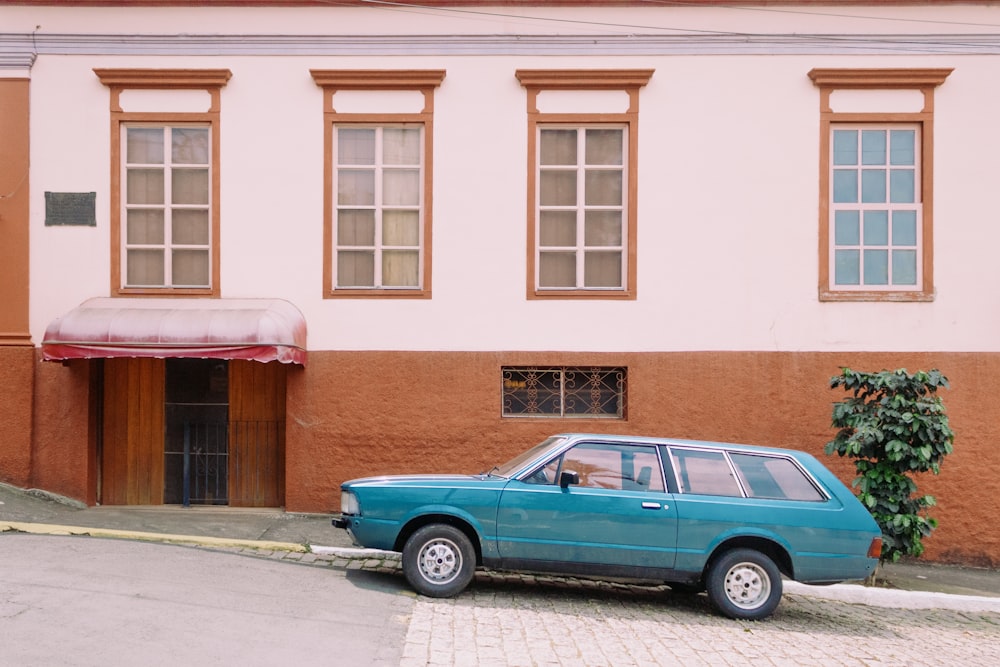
[567, 477]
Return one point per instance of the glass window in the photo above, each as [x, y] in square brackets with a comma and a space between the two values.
[704, 472]
[379, 207]
[875, 207]
[564, 392]
[167, 206]
[774, 477]
[581, 208]
[621, 467]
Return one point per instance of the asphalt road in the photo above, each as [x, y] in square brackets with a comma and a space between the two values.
[72, 601]
[93, 601]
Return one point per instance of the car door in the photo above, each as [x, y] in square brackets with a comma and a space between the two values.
[618, 518]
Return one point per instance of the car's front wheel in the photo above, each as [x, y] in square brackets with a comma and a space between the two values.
[439, 561]
[744, 584]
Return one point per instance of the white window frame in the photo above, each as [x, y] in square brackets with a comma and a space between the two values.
[379, 169]
[581, 249]
[168, 206]
[888, 206]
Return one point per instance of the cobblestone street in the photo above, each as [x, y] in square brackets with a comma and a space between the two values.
[521, 620]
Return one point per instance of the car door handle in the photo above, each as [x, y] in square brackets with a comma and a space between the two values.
[651, 506]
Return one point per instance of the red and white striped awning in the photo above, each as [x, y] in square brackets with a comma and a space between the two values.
[258, 329]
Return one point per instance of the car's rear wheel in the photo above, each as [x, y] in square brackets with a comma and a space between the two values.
[439, 561]
[744, 584]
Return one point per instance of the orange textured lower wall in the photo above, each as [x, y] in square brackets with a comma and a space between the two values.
[17, 367]
[351, 414]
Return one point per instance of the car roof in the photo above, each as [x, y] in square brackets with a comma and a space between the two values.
[700, 444]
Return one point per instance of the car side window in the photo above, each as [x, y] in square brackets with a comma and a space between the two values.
[704, 472]
[774, 477]
[607, 466]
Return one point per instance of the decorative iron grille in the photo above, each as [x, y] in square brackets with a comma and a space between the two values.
[567, 391]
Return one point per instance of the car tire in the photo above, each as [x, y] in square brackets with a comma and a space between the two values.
[744, 584]
[439, 561]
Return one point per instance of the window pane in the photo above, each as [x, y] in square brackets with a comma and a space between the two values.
[773, 477]
[400, 268]
[144, 227]
[144, 145]
[356, 227]
[531, 391]
[355, 269]
[189, 186]
[847, 228]
[401, 145]
[145, 267]
[356, 187]
[603, 188]
[557, 269]
[602, 269]
[190, 227]
[144, 186]
[401, 187]
[706, 473]
[847, 270]
[355, 146]
[845, 186]
[603, 147]
[190, 268]
[873, 186]
[903, 148]
[873, 147]
[904, 228]
[876, 267]
[189, 145]
[902, 186]
[557, 147]
[401, 228]
[876, 228]
[845, 147]
[557, 188]
[603, 228]
[904, 267]
[557, 228]
[593, 391]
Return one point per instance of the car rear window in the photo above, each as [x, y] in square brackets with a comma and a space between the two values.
[774, 477]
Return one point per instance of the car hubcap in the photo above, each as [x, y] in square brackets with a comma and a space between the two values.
[440, 561]
[747, 585]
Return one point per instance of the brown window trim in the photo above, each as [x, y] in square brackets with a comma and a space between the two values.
[118, 80]
[924, 80]
[331, 81]
[628, 80]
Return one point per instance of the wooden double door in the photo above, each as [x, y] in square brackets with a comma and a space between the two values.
[192, 431]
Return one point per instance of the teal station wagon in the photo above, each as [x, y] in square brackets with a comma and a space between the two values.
[722, 518]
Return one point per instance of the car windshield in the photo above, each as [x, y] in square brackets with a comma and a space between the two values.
[510, 467]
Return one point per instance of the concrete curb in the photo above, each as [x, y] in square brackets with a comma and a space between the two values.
[893, 598]
[49, 529]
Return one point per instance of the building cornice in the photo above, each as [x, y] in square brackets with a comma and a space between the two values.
[20, 50]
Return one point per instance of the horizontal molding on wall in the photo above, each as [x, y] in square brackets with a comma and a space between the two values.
[22, 48]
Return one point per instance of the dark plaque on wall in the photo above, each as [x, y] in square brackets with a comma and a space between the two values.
[70, 208]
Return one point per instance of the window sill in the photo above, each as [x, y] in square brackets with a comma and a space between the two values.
[616, 295]
[903, 297]
[377, 294]
[164, 292]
